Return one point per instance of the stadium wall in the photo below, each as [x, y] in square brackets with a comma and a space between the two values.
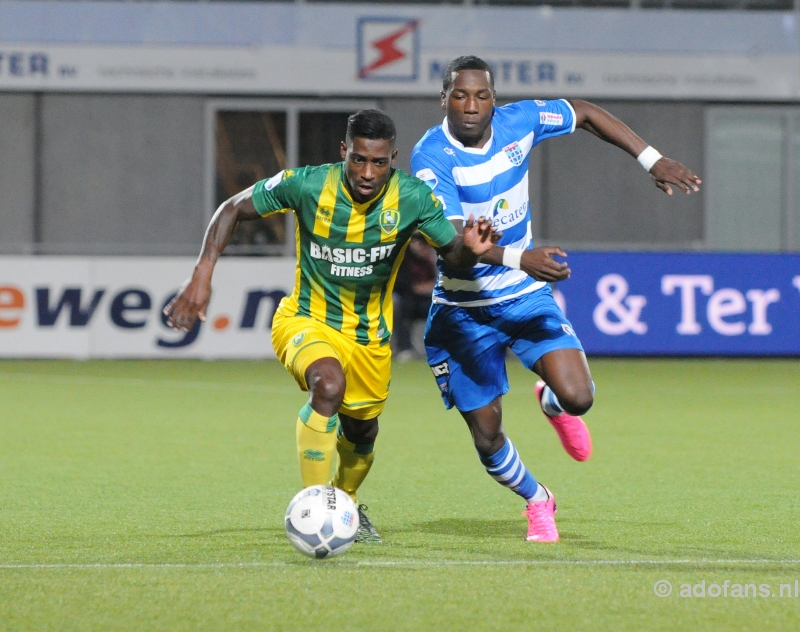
[17, 172]
[123, 174]
[107, 142]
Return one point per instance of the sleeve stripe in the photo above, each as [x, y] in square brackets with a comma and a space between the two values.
[569, 105]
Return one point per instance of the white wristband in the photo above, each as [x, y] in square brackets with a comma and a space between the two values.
[648, 157]
[512, 257]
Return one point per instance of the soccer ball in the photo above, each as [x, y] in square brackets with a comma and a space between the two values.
[321, 521]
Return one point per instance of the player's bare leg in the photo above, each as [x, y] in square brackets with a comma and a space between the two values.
[565, 392]
[502, 463]
[356, 450]
[318, 420]
[326, 386]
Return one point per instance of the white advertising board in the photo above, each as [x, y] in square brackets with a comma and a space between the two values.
[386, 49]
[110, 307]
[268, 70]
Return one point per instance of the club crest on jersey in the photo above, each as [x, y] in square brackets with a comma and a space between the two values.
[389, 220]
[514, 153]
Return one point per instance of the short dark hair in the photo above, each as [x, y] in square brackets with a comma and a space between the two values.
[465, 62]
[371, 124]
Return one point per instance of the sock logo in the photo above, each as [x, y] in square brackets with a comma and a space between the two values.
[313, 455]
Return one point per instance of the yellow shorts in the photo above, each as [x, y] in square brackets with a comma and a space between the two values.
[299, 341]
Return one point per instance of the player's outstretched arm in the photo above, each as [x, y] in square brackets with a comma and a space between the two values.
[192, 299]
[666, 172]
[535, 262]
[475, 238]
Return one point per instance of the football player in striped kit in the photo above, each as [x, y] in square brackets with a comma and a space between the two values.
[355, 219]
[476, 163]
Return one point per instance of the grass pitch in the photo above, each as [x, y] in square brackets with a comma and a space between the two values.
[150, 496]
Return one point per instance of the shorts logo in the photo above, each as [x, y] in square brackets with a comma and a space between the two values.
[568, 330]
[428, 177]
[440, 369]
[540, 103]
[389, 220]
[514, 153]
[313, 455]
[551, 118]
[298, 339]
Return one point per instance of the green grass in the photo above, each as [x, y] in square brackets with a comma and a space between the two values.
[150, 496]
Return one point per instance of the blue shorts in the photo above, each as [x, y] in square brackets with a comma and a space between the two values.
[466, 346]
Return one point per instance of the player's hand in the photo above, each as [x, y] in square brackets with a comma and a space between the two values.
[480, 235]
[189, 304]
[668, 172]
[539, 264]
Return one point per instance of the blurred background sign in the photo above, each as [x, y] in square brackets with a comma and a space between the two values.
[684, 304]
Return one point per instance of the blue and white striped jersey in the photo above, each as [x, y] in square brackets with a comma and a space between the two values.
[491, 181]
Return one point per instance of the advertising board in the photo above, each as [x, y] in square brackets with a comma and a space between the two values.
[394, 49]
[618, 303]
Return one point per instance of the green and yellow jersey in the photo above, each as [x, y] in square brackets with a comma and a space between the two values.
[348, 253]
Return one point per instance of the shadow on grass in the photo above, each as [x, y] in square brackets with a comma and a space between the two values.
[515, 530]
[470, 528]
[205, 534]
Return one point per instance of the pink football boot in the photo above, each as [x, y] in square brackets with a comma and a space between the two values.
[542, 520]
[571, 430]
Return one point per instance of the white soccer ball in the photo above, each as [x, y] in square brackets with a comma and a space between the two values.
[321, 521]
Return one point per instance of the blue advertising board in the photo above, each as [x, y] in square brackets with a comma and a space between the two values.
[684, 303]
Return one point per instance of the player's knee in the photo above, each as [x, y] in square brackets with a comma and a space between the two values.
[327, 389]
[330, 389]
[487, 442]
[576, 401]
[359, 431]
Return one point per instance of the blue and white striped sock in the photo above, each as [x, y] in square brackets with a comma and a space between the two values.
[507, 468]
[550, 404]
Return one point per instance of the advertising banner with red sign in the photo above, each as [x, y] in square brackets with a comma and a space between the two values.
[394, 49]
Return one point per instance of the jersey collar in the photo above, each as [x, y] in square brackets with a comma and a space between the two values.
[481, 151]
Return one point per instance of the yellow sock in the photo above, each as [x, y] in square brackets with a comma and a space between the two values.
[316, 442]
[355, 460]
